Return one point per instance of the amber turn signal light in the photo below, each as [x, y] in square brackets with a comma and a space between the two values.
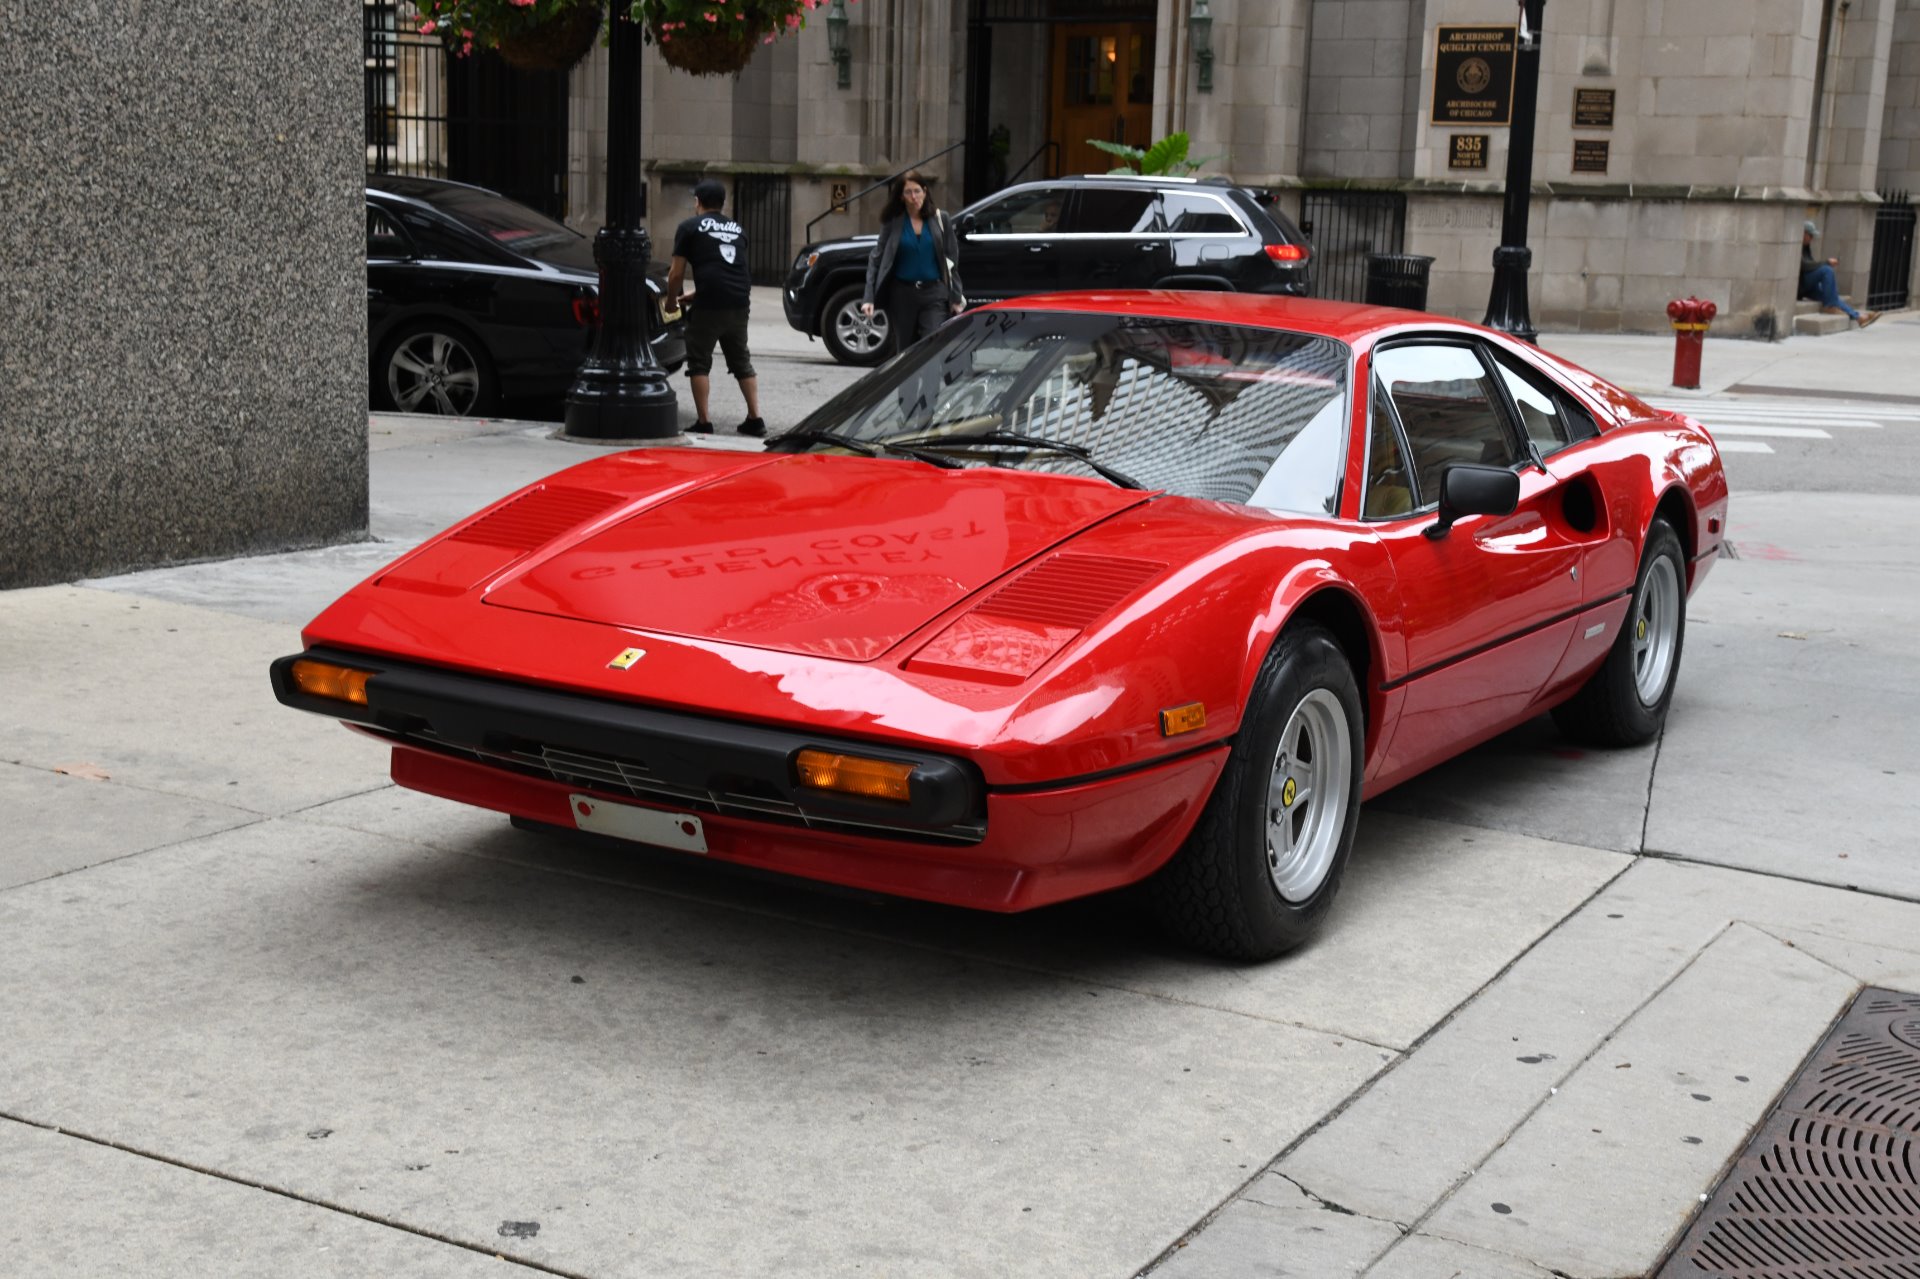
[335, 683]
[852, 775]
[1182, 719]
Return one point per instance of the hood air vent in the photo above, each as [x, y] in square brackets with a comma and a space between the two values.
[536, 518]
[1069, 590]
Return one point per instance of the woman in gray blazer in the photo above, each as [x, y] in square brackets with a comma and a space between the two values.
[911, 270]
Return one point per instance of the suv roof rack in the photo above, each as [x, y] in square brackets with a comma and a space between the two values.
[1136, 177]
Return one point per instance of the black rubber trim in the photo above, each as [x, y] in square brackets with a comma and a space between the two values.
[1488, 647]
[442, 708]
[1107, 774]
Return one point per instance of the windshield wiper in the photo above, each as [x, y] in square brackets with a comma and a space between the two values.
[866, 448]
[1007, 440]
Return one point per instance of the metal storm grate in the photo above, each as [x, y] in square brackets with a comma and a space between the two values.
[1829, 1187]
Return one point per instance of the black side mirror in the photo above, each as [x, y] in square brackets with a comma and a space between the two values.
[963, 225]
[1467, 488]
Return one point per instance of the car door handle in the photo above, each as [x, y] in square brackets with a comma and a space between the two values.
[1152, 246]
[1038, 248]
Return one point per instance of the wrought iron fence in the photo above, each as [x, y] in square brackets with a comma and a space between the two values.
[1344, 227]
[1890, 273]
[763, 202]
[405, 88]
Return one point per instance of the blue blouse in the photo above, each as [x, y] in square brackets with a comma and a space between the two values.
[914, 260]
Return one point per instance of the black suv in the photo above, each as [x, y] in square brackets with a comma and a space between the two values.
[1093, 232]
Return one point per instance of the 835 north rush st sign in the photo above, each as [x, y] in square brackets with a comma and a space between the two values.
[1473, 75]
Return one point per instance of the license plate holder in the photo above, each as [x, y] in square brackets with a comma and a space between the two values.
[683, 832]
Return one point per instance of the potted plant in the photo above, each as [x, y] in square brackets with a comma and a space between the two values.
[704, 37]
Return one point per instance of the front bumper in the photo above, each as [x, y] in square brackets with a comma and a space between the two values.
[528, 751]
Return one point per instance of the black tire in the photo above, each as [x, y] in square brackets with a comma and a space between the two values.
[852, 338]
[418, 353]
[1222, 892]
[1625, 702]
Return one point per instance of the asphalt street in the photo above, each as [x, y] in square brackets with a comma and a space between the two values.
[266, 1014]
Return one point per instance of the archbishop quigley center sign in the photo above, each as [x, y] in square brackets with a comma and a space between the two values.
[1473, 75]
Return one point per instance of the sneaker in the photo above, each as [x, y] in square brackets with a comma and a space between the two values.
[1869, 318]
[700, 428]
[753, 426]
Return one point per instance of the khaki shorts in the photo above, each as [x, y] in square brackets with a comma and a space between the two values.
[705, 328]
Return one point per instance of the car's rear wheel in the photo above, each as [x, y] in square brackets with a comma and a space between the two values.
[1261, 868]
[432, 366]
[851, 337]
[1625, 702]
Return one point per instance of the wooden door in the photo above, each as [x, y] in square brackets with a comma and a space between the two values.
[1102, 88]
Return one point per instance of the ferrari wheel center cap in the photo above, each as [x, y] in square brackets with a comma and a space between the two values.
[1288, 793]
[1640, 629]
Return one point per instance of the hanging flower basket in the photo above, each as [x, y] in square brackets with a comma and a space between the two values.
[707, 48]
[555, 44]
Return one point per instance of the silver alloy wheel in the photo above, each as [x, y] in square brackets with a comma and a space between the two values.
[1308, 790]
[433, 372]
[860, 335]
[1656, 630]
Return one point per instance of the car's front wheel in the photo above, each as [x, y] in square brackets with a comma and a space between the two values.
[1261, 868]
[1625, 702]
[434, 367]
[851, 337]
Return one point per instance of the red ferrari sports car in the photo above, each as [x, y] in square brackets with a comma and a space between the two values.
[1080, 591]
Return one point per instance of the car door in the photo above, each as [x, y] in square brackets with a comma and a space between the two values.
[1488, 607]
[1116, 239]
[388, 254]
[1205, 235]
[1008, 244]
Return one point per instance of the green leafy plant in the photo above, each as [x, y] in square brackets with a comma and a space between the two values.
[489, 23]
[1165, 158]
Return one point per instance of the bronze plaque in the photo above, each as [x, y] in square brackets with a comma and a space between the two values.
[1590, 155]
[1469, 151]
[1473, 75]
[1593, 108]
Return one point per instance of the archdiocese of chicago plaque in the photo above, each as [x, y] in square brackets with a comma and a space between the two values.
[1469, 151]
[1593, 108]
[1473, 75]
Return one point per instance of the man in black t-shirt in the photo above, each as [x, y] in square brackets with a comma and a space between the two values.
[715, 246]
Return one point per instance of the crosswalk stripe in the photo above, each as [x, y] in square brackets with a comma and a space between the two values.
[1777, 432]
[1745, 446]
[1698, 408]
[1841, 423]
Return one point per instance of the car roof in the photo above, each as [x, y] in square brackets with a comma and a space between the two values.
[1346, 321]
[414, 188]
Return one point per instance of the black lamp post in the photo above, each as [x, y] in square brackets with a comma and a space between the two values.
[621, 392]
[1507, 304]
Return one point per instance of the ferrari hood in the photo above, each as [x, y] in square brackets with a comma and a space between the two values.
[832, 556]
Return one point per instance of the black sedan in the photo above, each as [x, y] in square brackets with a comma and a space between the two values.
[473, 299]
[1098, 231]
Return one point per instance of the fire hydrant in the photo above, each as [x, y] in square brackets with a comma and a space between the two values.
[1690, 317]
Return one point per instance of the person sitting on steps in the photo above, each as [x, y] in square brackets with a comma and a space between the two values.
[1818, 283]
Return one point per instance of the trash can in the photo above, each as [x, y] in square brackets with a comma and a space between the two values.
[1398, 279]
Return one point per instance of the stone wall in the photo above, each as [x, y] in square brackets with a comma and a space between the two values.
[183, 342]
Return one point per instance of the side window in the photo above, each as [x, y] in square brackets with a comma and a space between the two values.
[1389, 484]
[384, 237]
[1191, 213]
[1035, 211]
[1106, 211]
[1552, 418]
[1449, 408]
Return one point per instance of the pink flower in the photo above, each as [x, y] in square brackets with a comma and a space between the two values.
[793, 20]
[521, 4]
[427, 28]
[713, 17]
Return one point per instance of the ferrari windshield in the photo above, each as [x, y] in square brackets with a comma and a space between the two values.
[1219, 411]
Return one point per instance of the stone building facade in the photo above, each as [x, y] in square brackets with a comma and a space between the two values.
[1680, 144]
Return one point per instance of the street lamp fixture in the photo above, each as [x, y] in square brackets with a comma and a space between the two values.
[1507, 303]
[621, 392]
[837, 42]
[1200, 31]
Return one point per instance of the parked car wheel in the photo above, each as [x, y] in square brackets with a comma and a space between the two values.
[1626, 700]
[852, 338]
[433, 366]
[1261, 868]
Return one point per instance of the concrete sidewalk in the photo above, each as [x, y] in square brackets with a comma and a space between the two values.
[266, 1014]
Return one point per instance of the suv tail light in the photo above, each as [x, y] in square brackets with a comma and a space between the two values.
[1287, 252]
[586, 311]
